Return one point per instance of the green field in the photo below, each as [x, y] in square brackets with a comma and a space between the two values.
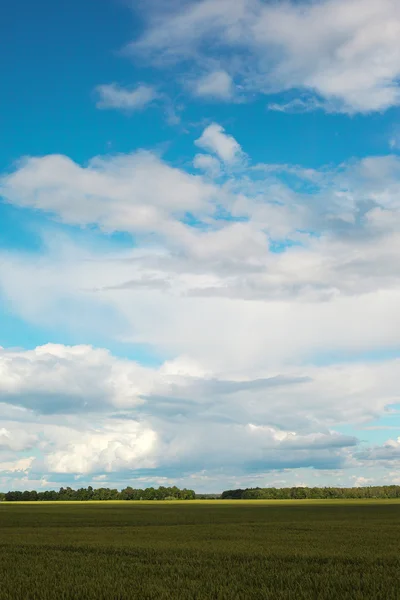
[203, 550]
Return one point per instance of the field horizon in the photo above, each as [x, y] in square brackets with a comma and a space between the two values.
[333, 501]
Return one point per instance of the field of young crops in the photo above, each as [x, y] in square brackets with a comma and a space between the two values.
[200, 550]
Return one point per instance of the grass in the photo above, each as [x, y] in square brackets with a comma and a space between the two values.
[207, 550]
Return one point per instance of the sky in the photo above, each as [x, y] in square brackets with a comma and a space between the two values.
[199, 243]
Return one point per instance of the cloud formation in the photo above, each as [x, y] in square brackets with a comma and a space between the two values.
[214, 321]
[245, 281]
[61, 379]
[345, 52]
[113, 96]
[217, 84]
[136, 192]
[180, 417]
[214, 139]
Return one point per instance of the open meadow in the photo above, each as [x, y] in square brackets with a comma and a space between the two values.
[200, 550]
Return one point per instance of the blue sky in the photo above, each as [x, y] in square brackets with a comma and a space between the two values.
[199, 237]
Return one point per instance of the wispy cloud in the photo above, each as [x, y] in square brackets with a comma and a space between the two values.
[217, 84]
[113, 96]
[299, 105]
[345, 51]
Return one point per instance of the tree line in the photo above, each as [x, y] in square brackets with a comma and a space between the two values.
[174, 493]
[128, 493]
[313, 493]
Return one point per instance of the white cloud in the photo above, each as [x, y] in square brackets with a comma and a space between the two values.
[217, 84]
[319, 291]
[229, 331]
[299, 105]
[131, 446]
[14, 466]
[136, 192]
[81, 380]
[255, 448]
[240, 318]
[62, 379]
[210, 164]
[216, 140]
[345, 51]
[362, 481]
[16, 440]
[113, 96]
[189, 415]
[388, 454]
[394, 141]
[117, 446]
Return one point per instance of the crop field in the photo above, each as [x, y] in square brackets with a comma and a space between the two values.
[200, 550]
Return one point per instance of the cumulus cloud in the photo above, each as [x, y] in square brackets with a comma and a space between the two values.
[344, 51]
[388, 453]
[217, 84]
[55, 379]
[187, 416]
[63, 379]
[113, 96]
[246, 283]
[324, 223]
[16, 439]
[117, 446]
[252, 447]
[223, 145]
[256, 254]
[235, 331]
[22, 465]
[138, 192]
[207, 163]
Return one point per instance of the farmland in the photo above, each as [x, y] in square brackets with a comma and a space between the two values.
[200, 550]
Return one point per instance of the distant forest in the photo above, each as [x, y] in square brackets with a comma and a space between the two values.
[316, 493]
[174, 493]
[68, 494]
